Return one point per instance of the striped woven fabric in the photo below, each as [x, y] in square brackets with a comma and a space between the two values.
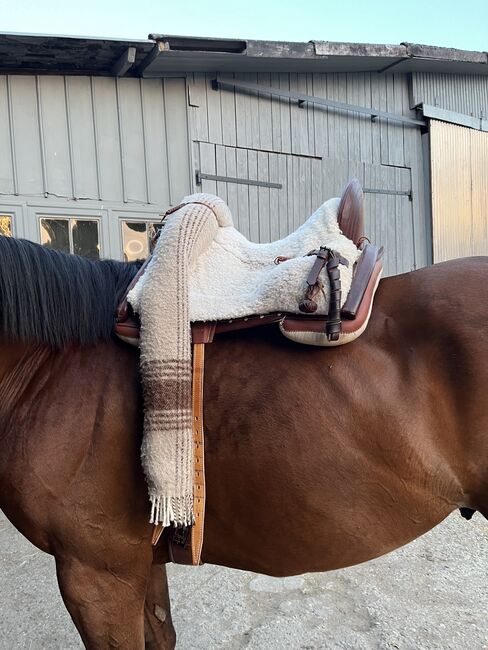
[163, 306]
[204, 269]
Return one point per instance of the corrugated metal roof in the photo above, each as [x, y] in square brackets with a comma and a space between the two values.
[165, 54]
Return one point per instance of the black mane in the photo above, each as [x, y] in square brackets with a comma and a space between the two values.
[50, 297]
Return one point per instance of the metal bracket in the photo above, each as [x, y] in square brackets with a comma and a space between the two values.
[201, 176]
[320, 101]
[408, 193]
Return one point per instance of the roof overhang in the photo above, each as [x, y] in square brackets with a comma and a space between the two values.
[163, 55]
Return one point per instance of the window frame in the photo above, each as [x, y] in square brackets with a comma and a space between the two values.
[70, 219]
[16, 214]
[137, 215]
[37, 212]
[7, 215]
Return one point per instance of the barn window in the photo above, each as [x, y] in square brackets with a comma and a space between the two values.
[137, 238]
[5, 225]
[78, 236]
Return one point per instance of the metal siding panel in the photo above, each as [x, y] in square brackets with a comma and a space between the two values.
[7, 185]
[321, 116]
[243, 192]
[276, 127]
[214, 108]
[274, 198]
[311, 111]
[386, 88]
[479, 176]
[252, 162]
[389, 217]
[82, 137]
[265, 119]
[263, 197]
[177, 138]
[285, 107]
[55, 131]
[377, 131]
[243, 116]
[451, 191]
[307, 205]
[396, 130]
[282, 197]
[231, 170]
[466, 94]
[364, 99]
[198, 91]
[132, 140]
[317, 194]
[303, 190]
[337, 120]
[26, 135]
[155, 141]
[228, 108]
[221, 170]
[299, 116]
[108, 139]
[353, 119]
[290, 164]
[208, 165]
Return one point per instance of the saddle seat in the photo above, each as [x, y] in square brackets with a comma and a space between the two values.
[306, 328]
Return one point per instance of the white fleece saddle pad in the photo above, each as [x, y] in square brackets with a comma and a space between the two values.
[234, 277]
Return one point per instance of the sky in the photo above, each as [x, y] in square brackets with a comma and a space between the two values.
[447, 23]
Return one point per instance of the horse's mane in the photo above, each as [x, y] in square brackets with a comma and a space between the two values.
[53, 298]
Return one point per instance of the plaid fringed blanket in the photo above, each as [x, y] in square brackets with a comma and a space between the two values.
[204, 269]
[163, 306]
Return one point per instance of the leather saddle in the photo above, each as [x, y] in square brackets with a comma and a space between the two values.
[349, 321]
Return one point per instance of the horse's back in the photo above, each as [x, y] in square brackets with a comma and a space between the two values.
[358, 449]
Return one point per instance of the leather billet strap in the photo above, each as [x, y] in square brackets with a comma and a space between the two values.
[331, 259]
[198, 453]
[185, 544]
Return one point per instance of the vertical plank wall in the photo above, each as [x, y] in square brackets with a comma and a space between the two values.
[94, 138]
[459, 159]
[313, 151]
[467, 94]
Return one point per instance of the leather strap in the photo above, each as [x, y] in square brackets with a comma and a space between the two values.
[199, 455]
[185, 544]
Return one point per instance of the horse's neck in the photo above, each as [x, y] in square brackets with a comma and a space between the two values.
[19, 365]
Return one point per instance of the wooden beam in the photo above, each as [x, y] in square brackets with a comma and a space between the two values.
[124, 62]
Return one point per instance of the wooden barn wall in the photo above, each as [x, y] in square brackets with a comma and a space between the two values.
[121, 141]
[312, 151]
[459, 162]
[466, 94]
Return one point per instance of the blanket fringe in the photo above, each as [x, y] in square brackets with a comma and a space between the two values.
[167, 511]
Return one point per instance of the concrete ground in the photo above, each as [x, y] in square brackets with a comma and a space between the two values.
[430, 595]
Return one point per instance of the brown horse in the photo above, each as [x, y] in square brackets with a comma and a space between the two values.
[315, 458]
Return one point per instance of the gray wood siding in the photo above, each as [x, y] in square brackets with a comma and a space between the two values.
[266, 214]
[105, 139]
[467, 94]
[313, 151]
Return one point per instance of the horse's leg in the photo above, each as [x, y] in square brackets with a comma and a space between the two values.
[158, 626]
[106, 604]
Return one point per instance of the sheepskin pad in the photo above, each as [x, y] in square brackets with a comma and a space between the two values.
[234, 277]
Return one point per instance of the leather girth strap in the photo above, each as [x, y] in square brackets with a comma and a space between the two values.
[199, 453]
[185, 544]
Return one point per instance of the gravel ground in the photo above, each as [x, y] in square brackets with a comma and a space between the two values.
[430, 595]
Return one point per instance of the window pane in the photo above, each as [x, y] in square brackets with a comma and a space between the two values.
[55, 234]
[5, 225]
[85, 238]
[134, 238]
